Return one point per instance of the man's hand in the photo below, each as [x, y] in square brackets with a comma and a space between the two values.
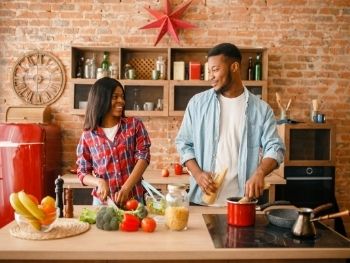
[254, 187]
[206, 182]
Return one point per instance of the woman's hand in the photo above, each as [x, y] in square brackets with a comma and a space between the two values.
[122, 196]
[102, 189]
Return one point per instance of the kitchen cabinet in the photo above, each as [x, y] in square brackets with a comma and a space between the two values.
[173, 95]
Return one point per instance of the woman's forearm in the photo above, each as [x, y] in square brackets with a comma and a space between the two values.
[136, 174]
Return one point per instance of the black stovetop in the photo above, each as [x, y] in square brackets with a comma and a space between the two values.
[265, 235]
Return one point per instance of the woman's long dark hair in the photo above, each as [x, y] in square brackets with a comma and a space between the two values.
[99, 102]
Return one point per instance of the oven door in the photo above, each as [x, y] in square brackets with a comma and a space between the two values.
[308, 186]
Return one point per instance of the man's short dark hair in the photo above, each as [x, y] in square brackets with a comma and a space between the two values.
[227, 49]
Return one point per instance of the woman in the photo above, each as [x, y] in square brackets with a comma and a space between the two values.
[114, 150]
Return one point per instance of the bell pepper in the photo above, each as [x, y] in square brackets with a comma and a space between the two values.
[129, 223]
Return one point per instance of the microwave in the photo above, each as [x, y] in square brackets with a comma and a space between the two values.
[308, 144]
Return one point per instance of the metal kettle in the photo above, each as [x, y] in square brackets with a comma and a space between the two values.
[303, 226]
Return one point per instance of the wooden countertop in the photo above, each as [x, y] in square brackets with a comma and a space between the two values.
[193, 244]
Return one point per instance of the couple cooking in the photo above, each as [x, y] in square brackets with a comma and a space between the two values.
[226, 130]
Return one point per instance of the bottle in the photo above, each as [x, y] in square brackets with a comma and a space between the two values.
[257, 68]
[177, 207]
[105, 61]
[250, 75]
[87, 69]
[93, 67]
[80, 68]
[160, 66]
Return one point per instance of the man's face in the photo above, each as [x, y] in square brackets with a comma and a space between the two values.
[220, 74]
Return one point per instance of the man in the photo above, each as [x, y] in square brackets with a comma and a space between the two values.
[228, 127]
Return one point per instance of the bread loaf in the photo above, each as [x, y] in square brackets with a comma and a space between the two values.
[219, 179]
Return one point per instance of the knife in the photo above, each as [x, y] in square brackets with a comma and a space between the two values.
[110, 202]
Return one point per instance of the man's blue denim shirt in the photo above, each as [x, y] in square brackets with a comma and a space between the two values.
[199, 135]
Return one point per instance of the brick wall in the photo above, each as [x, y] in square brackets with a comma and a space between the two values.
[308, 43]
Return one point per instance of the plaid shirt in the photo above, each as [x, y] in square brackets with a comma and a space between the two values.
[114, 161]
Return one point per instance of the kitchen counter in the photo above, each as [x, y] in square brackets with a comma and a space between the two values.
[162, 246]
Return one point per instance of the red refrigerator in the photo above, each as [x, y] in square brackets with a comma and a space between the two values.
[30, 160]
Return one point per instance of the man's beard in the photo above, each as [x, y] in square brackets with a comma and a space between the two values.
[226, 86]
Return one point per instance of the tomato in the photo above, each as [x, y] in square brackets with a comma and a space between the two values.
[148, 224]
[165, 172]
[131, 204]
[178, 169]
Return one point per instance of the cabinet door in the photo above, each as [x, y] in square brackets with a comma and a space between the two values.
[79, 95]
[146, 98]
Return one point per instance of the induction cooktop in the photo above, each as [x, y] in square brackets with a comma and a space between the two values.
[265, 235]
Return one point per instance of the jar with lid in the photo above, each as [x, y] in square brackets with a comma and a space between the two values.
[177, 207]
[160, 66]
[113, 70]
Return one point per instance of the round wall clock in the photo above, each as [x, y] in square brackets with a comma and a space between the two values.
[38, 78]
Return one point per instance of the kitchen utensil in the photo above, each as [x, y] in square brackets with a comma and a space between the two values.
[246, 199]
[288, 104]
[331, 216]
[286, 217]
[110, 202]
[240, 214]
[303, 227]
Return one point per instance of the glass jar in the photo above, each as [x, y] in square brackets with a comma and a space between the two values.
[177, 207]
[160, 66]
[113, 71]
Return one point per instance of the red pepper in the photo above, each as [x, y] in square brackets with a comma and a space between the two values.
[130, 223]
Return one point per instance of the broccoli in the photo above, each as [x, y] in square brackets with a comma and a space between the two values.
[108, 218]
[141, 211]
[88, 216]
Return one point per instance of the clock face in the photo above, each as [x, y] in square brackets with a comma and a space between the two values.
[38, 78]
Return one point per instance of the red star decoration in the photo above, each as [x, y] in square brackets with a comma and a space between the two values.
[168, 21]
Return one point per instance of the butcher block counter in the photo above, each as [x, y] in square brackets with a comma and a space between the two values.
[161, 246]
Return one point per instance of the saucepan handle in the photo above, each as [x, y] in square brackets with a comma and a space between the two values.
[279, 202]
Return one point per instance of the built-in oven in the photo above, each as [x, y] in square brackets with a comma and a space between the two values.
[307, 186]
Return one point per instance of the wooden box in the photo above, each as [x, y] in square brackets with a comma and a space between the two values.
[28, 114]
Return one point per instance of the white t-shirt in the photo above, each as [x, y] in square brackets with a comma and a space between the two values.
[111, 132]
[232, 119]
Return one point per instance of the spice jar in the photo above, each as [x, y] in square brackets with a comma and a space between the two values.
[177, 207]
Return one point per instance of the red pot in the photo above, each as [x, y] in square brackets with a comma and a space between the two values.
[240, 214]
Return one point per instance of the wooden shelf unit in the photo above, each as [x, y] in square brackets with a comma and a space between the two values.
[175, 94]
